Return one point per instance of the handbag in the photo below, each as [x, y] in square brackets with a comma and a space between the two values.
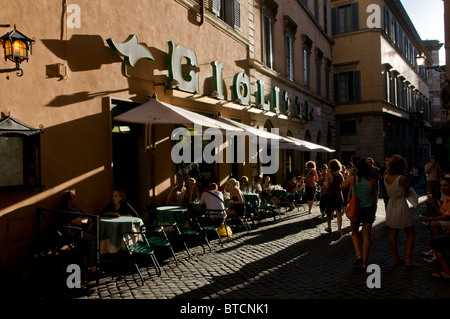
[352, 209]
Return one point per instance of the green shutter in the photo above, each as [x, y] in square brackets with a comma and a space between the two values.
[355, 16]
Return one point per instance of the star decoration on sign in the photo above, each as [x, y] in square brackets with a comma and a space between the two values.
[130, 49]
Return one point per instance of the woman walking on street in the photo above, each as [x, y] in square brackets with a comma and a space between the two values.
[333, 195]
[310, 177]
[365, 190]
[398, 214]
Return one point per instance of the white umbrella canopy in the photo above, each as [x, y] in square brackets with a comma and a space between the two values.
[308, 145]
[157, 112]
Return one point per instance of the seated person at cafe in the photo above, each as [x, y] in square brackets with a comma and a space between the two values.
[441, 222]
[257, 188]
[118, 206]
[213, 200]
[177, 194]
[244, 184]
[291, 187]
[192, 194]
[78, 225]
[267, 186]
[439, 246]
[237, 202]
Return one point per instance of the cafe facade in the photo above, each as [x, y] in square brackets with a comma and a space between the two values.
[263, 63]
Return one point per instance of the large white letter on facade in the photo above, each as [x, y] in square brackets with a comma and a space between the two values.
[241, 79]
[176, 54]
[218, 79]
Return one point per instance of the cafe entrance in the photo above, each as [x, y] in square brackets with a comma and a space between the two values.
[125, 152]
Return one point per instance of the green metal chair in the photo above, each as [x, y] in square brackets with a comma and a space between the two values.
[140, 248]
[207, 225]
[196, 232]
[157, 238]
[252, 207]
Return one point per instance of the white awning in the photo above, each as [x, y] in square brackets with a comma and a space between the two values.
[284, 142]
[311, 146]
[250, 129]
[157, 112]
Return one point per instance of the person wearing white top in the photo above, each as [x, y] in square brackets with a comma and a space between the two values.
[214, 203]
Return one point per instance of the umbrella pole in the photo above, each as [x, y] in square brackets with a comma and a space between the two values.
[152, 167]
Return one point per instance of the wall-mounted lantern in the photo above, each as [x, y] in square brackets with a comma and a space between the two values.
[17, 48]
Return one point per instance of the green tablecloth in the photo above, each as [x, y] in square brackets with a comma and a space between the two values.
[251, 198]
[111, 230]
[171, 214]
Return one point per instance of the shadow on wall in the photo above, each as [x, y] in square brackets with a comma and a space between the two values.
[82, 52]
[73, 155]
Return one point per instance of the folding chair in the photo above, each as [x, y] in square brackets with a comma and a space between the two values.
[196, 232]
[61, 241]
[157, 238]
[241, 217]
[176, 232]
[269, 207]
[252, 204]
[208, 225]
[140, 248]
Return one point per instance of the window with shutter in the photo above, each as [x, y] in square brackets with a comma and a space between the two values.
[229, 11]
[215, 7]
[267, 33]
[237, 14]
[345, 18]
[347, 87]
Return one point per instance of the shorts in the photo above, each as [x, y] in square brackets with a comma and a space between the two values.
[310, 191]
[216, 216]
[366, 215]
[331, 204]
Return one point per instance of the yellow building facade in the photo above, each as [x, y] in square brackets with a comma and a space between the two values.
[92, 61]
[382, 96]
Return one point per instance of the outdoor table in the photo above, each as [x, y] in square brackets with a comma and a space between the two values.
[112, 229]
[171, 214]
[280, 193]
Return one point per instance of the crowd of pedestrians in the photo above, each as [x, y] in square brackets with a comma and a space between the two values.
[336, 183]
[333, 184]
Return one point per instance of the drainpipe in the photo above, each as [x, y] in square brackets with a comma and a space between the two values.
[202, 11]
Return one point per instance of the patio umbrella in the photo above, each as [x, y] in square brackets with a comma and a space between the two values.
[157, 112]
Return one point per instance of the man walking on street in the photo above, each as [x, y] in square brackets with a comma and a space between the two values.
[433, 176]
